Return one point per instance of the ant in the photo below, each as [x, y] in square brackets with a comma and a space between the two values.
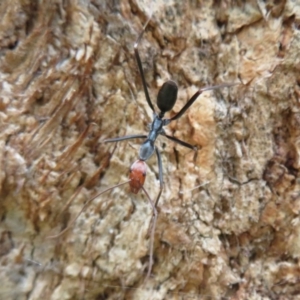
[166, 99]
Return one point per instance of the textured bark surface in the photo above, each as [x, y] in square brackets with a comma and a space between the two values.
[228, 224]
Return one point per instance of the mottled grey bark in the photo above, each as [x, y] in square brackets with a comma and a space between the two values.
[228, 225]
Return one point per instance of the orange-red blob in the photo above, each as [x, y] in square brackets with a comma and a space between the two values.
[137, 176]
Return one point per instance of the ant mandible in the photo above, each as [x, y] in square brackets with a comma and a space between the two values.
[166, 99]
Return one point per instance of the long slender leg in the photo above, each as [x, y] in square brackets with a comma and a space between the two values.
[126, 137]
[160, 175]
[180, 142]
[154, 216]
[161, 183]
[83, 208]
[138, 59]
[194, 97]
[153, 224]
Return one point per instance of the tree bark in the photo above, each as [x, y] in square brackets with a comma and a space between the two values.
[228, 219]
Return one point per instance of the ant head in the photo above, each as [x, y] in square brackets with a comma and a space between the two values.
[167, 96]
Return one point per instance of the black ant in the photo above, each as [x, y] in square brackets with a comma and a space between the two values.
[166, 99]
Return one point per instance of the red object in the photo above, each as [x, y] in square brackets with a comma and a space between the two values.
[137, 176]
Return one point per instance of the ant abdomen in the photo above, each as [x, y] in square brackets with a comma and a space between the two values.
[167, 96]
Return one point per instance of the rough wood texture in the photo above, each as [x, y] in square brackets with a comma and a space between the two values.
[69, 80]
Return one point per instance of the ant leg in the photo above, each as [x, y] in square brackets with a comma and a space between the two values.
[84, 207]
[154, 216]
[126, 137]
[180, 142]
[185, 107]
[160, 175]
[153, 224]
[138, 60]
[194, 97]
